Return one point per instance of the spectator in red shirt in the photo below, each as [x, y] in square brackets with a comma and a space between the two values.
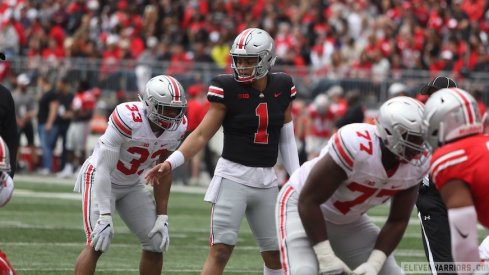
[197, 107]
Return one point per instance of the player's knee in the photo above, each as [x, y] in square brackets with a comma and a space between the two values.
[221, 254]
[153, 244]
[228, 238]
[268, 244]
[303, 270]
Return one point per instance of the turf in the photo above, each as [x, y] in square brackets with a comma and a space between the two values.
[41, 232]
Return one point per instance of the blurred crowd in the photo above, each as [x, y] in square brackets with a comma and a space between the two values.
[339, 38]
[51, 112]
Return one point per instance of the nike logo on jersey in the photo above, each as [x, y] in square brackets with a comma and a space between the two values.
[461, 234]
[277, 94]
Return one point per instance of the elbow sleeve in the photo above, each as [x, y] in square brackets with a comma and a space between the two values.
[107, 160]
[288, 148]
[463, 232]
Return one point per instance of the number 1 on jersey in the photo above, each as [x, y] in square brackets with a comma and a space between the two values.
[261, 135]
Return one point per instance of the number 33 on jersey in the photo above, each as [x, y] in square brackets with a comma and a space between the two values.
[130, 130]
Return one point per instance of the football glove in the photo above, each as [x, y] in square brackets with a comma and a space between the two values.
[161, 226]
[365, 269]
[329, 264]
[373, 265]
[102, 234]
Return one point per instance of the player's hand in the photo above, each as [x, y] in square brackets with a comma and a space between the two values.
[333, 266]
[102, 234]
[161, 226]
[365, 269]
[329, 264]
[373, 265]
[157, 172]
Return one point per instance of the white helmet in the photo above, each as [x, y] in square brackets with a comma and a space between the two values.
[165, 101]
[321, 103]
[400, 127]
[253, 42]
[4, 157]
[6, 188]
[6, 182]
[450, 114]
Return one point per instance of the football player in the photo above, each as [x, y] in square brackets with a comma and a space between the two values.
[6, 190]
[254, 108]
[139, 135]
[458, 167]
[320, 125]
[8, 125]
[321, 211]
[6, 182]
[432, 212]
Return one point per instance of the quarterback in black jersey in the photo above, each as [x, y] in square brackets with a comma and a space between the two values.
[254, 119]
[254, 108]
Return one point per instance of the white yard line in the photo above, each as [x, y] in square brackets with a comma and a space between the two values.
[398, 252]
[176, 186]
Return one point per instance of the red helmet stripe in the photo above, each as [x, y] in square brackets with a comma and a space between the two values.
[242, 38]
[176, 88]
[469, 110]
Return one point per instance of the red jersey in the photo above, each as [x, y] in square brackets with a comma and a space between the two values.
[84, 101]
[321, 125]
[467, 160]
[196, 110]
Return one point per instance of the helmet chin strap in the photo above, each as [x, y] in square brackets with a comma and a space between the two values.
[246, 79]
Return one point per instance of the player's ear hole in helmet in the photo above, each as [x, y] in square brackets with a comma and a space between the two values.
[253, 55]
[165, 102]
[400, 128]
[451, 114]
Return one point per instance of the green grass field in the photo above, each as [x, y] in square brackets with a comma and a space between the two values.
[41, 232]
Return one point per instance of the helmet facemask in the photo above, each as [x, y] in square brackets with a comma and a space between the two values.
[258, 72]
[400, 127]
[166, 116]
[407, 145]
[165, 102]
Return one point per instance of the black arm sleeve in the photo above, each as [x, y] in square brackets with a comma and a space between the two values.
[8, 125]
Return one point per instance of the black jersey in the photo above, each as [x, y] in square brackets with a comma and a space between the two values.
[253, 120]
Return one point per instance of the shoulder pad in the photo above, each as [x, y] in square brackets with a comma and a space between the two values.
[183, 125]
[217, 87]
[352, 143]
[285, 78]
[126, 117]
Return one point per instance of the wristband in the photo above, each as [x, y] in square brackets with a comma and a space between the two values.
[175, 159]
[323, 249]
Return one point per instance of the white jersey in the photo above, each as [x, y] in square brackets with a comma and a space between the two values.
[357, 150]
[129, 129]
